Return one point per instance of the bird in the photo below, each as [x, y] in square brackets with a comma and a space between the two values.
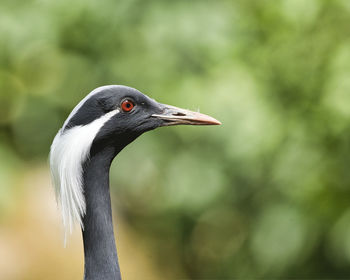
[98, 128]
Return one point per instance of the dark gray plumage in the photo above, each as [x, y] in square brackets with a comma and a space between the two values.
[107, 120]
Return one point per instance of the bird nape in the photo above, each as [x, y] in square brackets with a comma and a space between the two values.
[98, 128]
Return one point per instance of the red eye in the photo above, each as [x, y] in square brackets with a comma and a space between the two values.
[127, 105]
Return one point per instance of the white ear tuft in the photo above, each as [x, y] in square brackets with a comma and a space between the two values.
[69, 150]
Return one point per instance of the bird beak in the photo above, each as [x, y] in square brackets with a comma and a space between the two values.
[175, 116]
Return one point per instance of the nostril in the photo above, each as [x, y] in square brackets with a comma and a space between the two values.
[178, 114]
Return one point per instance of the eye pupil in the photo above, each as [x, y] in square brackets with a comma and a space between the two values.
[127, 105]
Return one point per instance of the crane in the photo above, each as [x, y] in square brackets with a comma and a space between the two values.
[98, 128]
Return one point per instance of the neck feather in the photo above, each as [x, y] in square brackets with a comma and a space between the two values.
[101, 260]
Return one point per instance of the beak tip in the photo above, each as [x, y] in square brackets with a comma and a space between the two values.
[216, 122]
[210, 120]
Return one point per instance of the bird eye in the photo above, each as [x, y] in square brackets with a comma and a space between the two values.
[127, 105]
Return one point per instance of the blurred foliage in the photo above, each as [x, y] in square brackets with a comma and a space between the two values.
[266, 195]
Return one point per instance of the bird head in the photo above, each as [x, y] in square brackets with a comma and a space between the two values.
[127, 113]
[108, 117]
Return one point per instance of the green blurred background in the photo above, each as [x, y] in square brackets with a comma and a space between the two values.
[265, 195]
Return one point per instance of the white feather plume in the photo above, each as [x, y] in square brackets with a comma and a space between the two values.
[69, 150]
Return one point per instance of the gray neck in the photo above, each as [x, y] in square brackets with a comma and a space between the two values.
[101, 260]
